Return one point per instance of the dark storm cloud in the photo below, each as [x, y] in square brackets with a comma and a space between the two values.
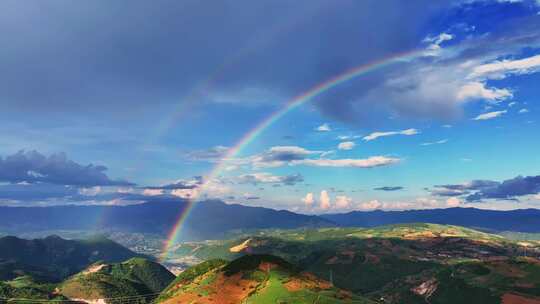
[478, 190]
[509, 189]
[34, 167]
[473, 185]
[389, 188]
[462, 189]
[126, 56]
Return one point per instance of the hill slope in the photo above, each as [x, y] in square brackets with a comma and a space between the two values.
[525, 220]
[137, 278]
[408, 263]
[53, 258]
[253, 279]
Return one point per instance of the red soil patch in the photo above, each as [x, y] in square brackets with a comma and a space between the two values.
[224, 290]
[265, 266]
[509, 298]
[294, 285]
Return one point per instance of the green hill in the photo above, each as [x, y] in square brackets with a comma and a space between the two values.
[25, 287]
[136, 278]
[411, 263]
[253, 279]
[53, 258]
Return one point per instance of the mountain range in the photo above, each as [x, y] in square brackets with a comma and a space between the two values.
[215, 219]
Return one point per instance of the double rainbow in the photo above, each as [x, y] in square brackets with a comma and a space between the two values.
[271, 119]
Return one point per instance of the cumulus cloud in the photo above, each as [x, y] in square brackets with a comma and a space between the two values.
[346, 145]
[479, 90]
[453, 202]
[523, 111]
[343, 202]
[490, 115]
[324, 200]
[308, 200]
[388, 188]
[34, 167]
[268, 178]
[376, 135]
[324, 128]
[371, 205]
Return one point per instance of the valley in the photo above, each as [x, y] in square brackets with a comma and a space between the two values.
[404, 263]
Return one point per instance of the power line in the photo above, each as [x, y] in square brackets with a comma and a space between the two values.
[127, 298]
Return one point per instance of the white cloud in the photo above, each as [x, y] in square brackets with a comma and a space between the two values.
[502, 68]
[308, 199]
[152, 192]
[185, 193]
[293, 155]
[325, 200]
[434, 47]
[511, 104]
[489, 115]
[453, 202]
[346, 145]
[478, 90]
[92, 191]
[371, 205]
[376, 135]
[447, 126]
[343, 202]
[523, 111]
[324, 128]
[374, 161]
[442, 141]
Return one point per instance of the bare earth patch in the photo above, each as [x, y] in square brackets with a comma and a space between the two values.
[94, 268]
[241, 247]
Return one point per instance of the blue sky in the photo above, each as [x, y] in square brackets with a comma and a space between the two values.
[128, 101]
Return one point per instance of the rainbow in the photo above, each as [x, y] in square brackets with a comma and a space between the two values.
[288, 107]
